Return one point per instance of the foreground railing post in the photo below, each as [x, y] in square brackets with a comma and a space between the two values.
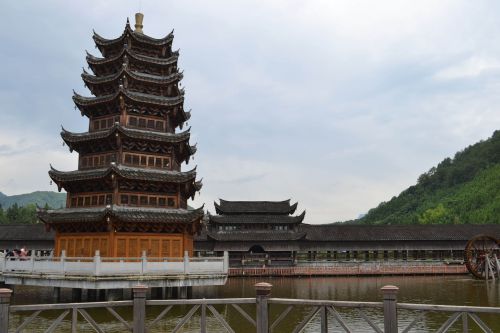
[262, 293]
[390, 309]
[139, 293]
[4, 309]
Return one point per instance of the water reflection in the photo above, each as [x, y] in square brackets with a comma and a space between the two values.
[456, 290]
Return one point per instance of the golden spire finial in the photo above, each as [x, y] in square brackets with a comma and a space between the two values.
[138, 22]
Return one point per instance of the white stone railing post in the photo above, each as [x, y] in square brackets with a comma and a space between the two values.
[97, 262]
[63, 259]
[3, 259]
[144, 261]
[225, 263]
[186, 262]
[32, 261]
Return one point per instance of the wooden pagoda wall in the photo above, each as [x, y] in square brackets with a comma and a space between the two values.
[123, 245]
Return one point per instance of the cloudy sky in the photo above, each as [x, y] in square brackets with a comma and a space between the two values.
[338, 105]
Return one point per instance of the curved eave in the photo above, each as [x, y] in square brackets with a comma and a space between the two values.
[130, 173]
[182, 137]
[96, 61]
[261, 219]
[81, 101]
[120, 213]
[142, 38]
[90, 79]
[255, 207]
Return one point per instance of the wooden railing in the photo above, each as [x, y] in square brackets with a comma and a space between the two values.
[329, 312]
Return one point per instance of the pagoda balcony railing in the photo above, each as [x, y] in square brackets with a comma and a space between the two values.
[106, 266]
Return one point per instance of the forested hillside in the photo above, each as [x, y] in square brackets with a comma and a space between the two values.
[463, 189]
[40, 198]
[22, 208]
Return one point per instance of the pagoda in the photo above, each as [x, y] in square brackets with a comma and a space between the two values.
[129, 194]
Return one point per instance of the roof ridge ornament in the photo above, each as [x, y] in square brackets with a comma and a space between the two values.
[138, 22]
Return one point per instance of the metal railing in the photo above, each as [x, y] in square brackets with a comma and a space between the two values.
[97, 265]
[329, 312]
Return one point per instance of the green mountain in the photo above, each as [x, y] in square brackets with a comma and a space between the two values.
[40, 198]
[465, 189]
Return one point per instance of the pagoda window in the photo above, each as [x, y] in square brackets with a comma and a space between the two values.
[73, 202]
[80, 201]
[147, 161]
[146, 123]
[104, 123]
[166, 163]
[94, 200]
[101, 200]
[87, 201]
[133, 199]
[124, 199]
[109, 199]
[147, 200]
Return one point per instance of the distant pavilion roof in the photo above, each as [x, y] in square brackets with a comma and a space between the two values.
[122, 213]
[257, 219]
[23, 232]
[255, 207]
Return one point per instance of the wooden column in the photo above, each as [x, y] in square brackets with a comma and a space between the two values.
[262, 292]
[139, 308]
[5, 295]
[390, 309]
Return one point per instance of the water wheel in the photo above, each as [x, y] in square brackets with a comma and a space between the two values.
[482, 257]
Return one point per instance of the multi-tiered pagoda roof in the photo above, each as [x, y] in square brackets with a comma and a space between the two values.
[255, 221]
[129, 175]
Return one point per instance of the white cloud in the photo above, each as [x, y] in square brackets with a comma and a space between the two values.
[469, 68]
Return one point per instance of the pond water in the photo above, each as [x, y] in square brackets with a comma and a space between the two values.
[451, 290]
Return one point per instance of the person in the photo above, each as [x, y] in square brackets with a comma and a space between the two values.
[23, 254]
